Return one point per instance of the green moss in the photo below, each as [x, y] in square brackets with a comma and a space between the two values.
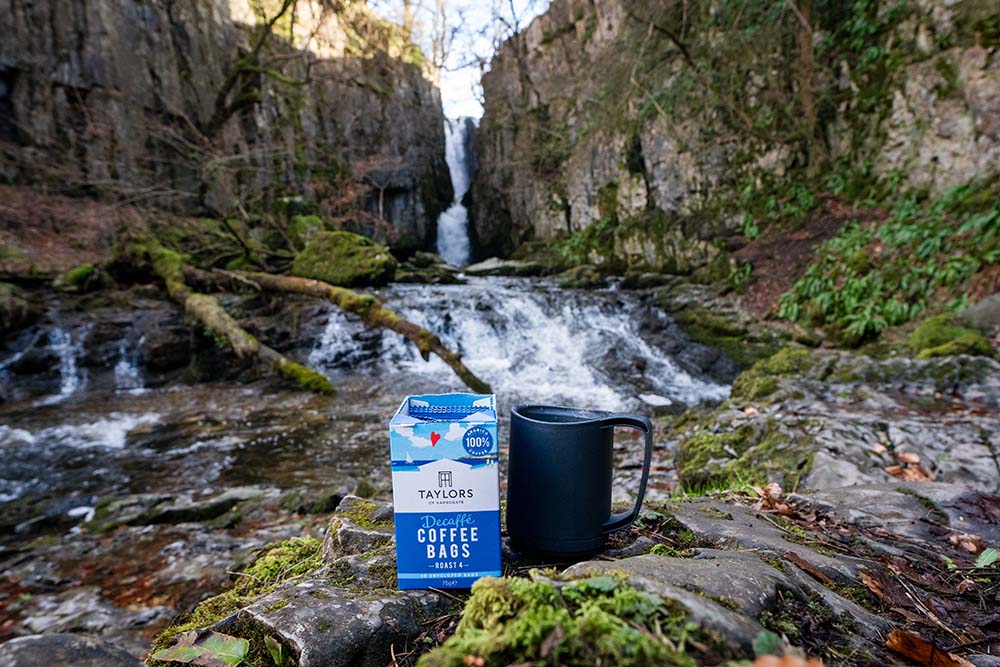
[277, 562]
[665, 550]
[302, 229]
[362, 513]
[15, 310]
[601, 620]
[755, 453]
[343, 258]
[306, 378]
[939, 336]
[972, 343]
[762, 379]
[78, 278]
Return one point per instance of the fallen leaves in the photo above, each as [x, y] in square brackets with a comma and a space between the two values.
[909, 468]
[967, 542]
[921, 651]
[771, 499]
[808, 568]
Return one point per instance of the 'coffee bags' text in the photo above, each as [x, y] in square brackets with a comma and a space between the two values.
[445, 490]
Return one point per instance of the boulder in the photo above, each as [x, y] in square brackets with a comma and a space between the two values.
[64, 650]
[984, 315]
[346, 259]
[494, 266]
[347, 612]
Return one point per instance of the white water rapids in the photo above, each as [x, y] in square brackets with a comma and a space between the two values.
[591, 349]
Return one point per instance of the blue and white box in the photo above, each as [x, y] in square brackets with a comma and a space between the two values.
[446, 490]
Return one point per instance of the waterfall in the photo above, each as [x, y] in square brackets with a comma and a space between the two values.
[128, 373]
[592, 349]
[68, 349]
[453, 224]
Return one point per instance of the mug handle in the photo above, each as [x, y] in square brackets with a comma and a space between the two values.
[623, 519]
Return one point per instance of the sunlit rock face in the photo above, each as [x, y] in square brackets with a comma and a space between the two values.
[594, 114]
[131, 100]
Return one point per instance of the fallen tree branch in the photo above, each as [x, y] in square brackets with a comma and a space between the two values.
[373, 315]
[169, 266]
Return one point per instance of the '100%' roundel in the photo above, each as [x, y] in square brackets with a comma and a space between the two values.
[478, 441]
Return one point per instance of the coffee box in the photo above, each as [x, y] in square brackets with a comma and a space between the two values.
[445, 490]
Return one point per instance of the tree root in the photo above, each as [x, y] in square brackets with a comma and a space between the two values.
[373, 315]
[204, 309]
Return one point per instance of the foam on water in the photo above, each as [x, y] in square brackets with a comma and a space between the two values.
[128, 372]
[546, 344]
[110, 432]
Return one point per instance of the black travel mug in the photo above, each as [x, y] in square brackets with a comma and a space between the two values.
[559, 479]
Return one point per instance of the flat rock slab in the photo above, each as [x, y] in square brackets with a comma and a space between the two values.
[64, 650]
[327, 625]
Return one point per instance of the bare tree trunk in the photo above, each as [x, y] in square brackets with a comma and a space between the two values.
[204, 309]
[374, 315]
[817, 152]
[408, 18]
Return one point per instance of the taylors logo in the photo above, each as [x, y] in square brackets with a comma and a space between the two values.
[445, 490]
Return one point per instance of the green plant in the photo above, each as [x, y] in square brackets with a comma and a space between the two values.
[871, 277]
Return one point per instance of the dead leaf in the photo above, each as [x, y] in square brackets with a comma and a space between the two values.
[473, 661]
[750, 411]
[873, 584]
[967, 542]
[921, 651]
[909, 457]
[879, 448]
[807, 567]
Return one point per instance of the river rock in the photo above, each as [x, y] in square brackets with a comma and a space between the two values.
[984, 315]
[343, 258]
[64, 650]
[821, 420]
[495, 266]
[348, 612]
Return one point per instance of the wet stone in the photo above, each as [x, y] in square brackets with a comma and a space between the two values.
[64, 650]
[348, 612]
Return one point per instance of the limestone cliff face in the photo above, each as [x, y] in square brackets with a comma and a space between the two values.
[663, 120]
[164, 102]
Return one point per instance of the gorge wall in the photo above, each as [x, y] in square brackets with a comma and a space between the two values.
[223, 107]
[645, 134]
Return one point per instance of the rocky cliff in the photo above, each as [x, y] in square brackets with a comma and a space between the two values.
[646, 133]
[220, 108]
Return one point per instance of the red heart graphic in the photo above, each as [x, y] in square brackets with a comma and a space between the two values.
[434, 438]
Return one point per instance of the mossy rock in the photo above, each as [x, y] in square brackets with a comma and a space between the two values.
[595, 621]
[346, 259]
[276, 563]
[303, 228]
[16, 312]
[82, 278]
[581, 277]
[757, 452]
[939, 336]
[763, 378]
[972, 343]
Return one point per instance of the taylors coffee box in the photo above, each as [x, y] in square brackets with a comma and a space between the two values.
[446, 490]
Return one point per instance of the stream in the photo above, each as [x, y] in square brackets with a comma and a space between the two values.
[135, 477]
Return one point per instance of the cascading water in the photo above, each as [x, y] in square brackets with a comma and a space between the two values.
[128, 372]
[68, 348]
[453, 224]
[597, 349]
